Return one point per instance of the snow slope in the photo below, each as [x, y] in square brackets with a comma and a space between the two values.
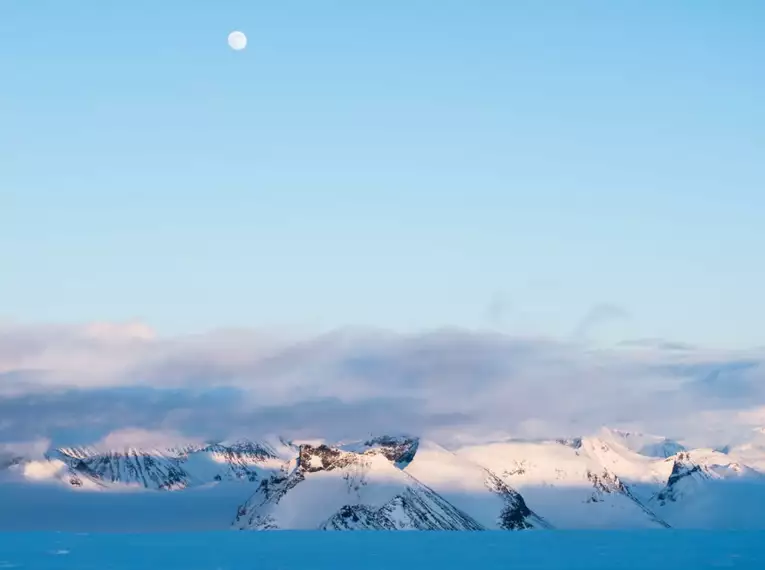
[334, 489]
[644, 475]
[642, 444]
[571, 483]
[472, 488]
[708, 489]
[750, 450]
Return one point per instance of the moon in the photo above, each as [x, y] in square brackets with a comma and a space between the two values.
[237, 41]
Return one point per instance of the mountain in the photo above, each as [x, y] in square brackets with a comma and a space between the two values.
[643, 444]
[154, 469]
[398, 449]
[335, 489]
[709, 489]
[749, 449]
[611, 479]
[574, 483]
[472, 488]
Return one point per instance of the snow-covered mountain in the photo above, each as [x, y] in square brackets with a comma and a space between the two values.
[574, 483]
[643, 444]
[710, 489]
[333, 489]
[473, 488]
[611, 479]
[154, 469]
[749, 450]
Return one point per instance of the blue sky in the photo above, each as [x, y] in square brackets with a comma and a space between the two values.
[522, 165]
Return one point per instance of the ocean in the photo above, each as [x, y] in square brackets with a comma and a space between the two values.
[292, 550]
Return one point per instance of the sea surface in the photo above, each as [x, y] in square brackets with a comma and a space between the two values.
[288, 550]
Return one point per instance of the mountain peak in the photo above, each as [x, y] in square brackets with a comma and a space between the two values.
[398, 449]
[641, 443]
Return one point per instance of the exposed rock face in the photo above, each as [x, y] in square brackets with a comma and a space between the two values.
[515, 515]
[683, 468]
[151, 470]
[605, 482]
[323, 458]
[573, 443]
[270, 492]
[417, 508]
[399, 450]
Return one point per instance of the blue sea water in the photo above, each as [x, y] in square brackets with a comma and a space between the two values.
[569, 550]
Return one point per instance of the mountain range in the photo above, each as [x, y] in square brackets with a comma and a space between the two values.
[610, 480]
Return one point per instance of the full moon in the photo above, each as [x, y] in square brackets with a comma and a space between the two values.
[237, 41]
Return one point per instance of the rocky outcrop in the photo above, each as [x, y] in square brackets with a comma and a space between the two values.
[683, 468]
[399, 450]
[417, 508]
[515, 514]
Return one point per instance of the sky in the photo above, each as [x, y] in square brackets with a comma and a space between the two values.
[567, 169]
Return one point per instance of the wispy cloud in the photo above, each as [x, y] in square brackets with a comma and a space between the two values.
[496, 311]
[81, 384]
[597, 316]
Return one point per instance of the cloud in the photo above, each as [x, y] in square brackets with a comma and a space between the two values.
[496, 311]
[656, 343]
[119, 331]
[597, 316]
[140, 438]
[71, 385]
[34, 449]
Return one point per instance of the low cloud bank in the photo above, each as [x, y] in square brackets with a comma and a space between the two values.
[71, 385]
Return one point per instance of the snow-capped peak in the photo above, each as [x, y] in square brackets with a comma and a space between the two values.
[602, 480]
[335, 489]
[398, 449]
[644, 444]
